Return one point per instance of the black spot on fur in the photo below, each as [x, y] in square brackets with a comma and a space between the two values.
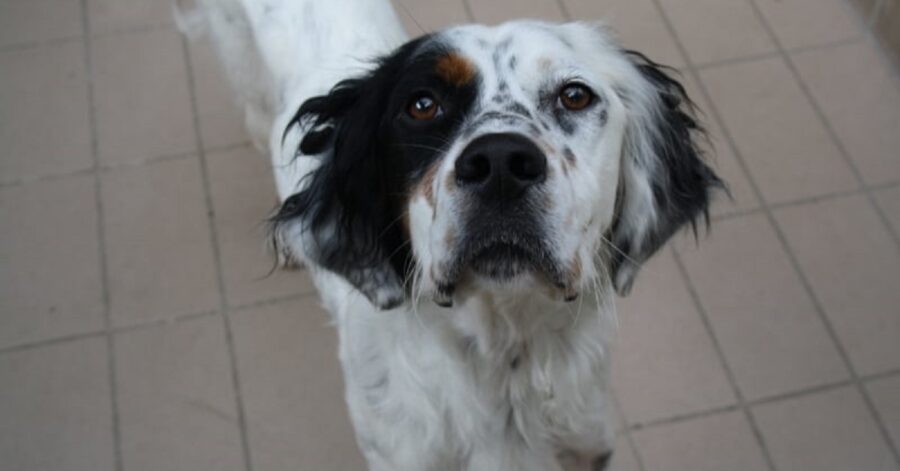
[601, 463]
[519, 109]
[513, 62]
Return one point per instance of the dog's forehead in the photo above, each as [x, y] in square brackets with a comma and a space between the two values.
[523, 49]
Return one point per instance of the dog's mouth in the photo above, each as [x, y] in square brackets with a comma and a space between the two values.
[501, 257]
[503, 260]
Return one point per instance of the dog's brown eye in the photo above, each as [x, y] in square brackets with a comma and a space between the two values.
[424, 108]
[576, 96]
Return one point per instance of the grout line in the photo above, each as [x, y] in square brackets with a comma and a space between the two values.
[777, 53]
[101, 242]
[876, 415]
[679, 418]
[98, 167]
[779, 232]
[217, 253]
[757, 433]
[625, 431]
[742, 403]
[29, 45]
[567, 15]
[469, 11]
[129, 30]
[823, 119]
[164, 321]
[49, 342]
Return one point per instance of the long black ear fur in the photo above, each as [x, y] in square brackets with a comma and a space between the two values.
[346, 211]
[662, 154]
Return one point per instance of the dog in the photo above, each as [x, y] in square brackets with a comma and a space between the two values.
[468, 203]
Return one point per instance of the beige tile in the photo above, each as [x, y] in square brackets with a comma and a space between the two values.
[637, 23]
[715, 443]
[776, 130]
[44, 110]
[158, 242]
[829, 431]
[715, 30]
[243, 193]
[293, 389]
[497, 11]
[859, 95]
[889, 202]
[740, 195]
[122, 15]
[141, 94]
[56, 408]
[853, 266]
[420, 16]
[221, 119]
[665, 364]
[26, 21]
[765, 322]
[623, 456]
[885, 393]
[50, 283]
[177, 406]
[801, 23]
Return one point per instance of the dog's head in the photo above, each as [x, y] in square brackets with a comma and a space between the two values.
[527, 156]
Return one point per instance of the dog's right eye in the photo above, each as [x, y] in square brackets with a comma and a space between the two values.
[424, 107]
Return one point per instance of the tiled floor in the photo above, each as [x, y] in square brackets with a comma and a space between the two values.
[138, 329]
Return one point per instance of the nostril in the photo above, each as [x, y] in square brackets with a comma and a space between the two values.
[527, 167]
[474, 168]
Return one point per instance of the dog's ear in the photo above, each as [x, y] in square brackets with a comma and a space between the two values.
[664, 184]
[343, 217]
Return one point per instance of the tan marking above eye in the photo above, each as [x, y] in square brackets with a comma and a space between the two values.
[455, 69]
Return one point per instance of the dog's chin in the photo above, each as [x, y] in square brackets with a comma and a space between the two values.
[503, 262]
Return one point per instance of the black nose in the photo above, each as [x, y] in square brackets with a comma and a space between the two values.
[501, 167]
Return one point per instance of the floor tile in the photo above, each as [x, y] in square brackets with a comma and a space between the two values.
[889, 201]
[158, 242]
[420, 16]
[123, 15]
[50, 285]
[28, 21]
[623, 458]
[293, 389]
[497, 11]
[829, 431]
[765, 322]
[716, 30]
[858, 93]
[143, 106]
[786, 148]
[740, 195]
[885, 393]
[221, 119]
[177, 406]
[56, 408]
[664, 364]
[795, 26]
[853, 266]
[243, 193]
[715, 443]
[36, 141]
[637, 23]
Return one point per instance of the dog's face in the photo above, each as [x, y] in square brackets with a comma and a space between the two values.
[527, 156]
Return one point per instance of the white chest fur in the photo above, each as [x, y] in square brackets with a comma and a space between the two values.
[491, 383]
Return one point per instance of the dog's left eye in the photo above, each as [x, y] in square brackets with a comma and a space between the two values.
[576, 96]
[424, 107]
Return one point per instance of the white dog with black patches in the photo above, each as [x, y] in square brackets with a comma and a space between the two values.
[467, 202]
